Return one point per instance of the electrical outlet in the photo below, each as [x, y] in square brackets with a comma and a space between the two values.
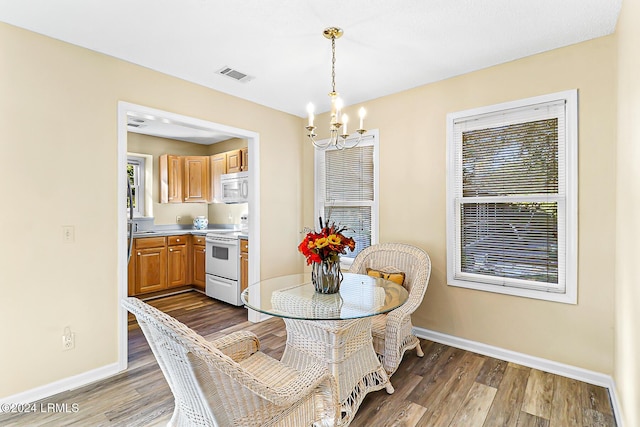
[178, 219]
[68, 339]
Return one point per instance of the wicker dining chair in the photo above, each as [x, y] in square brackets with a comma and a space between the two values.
[229, 382]
[392, 332]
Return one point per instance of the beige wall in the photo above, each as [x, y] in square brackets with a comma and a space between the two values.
[627, 325]
[412, 202]
[58, 122]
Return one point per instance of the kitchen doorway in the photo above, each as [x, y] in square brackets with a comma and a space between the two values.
[126, 110]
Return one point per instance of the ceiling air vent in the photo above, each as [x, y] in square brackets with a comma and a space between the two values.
[234, 74]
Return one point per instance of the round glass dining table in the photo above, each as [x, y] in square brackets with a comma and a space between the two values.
[294, 297]
[332, 329]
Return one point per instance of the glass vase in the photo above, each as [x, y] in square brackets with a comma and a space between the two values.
[326, 276]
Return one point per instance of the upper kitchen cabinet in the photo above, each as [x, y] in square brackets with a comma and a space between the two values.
[196, 185]
[234, 161]
[244, 159]
[184, 179]
[170, 167]
[218, 167]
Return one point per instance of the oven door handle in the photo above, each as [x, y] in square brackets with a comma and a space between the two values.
[229, 243]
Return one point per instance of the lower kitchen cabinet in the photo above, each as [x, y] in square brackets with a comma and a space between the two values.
[177, 260]
[198, 265]
[244, 264]
[150, 265]
[161, 263]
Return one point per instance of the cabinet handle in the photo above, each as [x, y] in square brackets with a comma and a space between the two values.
[139, 254]
[171, 250]
[177, 240]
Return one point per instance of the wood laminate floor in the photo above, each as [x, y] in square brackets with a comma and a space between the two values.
[447, 387]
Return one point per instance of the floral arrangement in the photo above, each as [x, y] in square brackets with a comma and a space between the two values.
[327, 244]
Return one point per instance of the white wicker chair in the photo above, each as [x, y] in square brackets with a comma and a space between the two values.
[229, 382]
[392, 332]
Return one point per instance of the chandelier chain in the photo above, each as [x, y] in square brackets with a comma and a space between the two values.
[333, 64]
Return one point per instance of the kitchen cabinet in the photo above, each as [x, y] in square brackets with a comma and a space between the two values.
[198, 262]
[234, 161]
[244, 264]
[170, 167]
[184, 179]
[196, 187]
[150, 265]
[244, 156]
[177, 260]
[218, 167]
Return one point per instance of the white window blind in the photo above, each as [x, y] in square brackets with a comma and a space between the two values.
[511, 209]
[135, 173]
[346, 190]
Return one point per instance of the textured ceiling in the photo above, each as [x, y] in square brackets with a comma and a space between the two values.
[388, 46]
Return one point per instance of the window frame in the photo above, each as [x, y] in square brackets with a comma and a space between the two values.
[568, 203]
[140, 166]
[370, 138]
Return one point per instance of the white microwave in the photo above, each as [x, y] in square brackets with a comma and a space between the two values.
[235, 187]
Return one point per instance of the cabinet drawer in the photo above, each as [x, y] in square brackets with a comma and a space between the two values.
[244, 245]
[177, 240]
[150, 242]
[199, 240]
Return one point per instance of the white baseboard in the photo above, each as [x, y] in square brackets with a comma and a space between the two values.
[62, 385]
[580, 374]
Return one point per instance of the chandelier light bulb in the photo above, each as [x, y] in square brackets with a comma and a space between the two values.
[345, 120]
[362, 112]
[310, 111]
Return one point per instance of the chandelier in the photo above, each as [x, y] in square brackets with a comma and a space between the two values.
[338, 134]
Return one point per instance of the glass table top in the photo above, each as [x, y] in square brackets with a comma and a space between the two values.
[294, 297]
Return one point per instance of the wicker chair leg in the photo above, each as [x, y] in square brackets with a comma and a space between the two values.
[419, 351]
[389, 388]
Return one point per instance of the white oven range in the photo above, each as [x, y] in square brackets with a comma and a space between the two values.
[222, 266]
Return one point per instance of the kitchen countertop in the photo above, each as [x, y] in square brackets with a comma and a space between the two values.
[180, 231]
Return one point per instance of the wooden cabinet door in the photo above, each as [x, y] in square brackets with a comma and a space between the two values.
[234, 161]
[151, 269]
[170, 178]
[218, 167]
[244, 152]
[244, 264]
[177, 265]
[199, 274]
[196, 187]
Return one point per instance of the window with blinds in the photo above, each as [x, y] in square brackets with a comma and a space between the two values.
[512, 192]
[346, 188]
[135, 173]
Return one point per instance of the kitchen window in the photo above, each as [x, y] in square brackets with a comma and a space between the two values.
[512, 198]
[136, 173]
[346, 191]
